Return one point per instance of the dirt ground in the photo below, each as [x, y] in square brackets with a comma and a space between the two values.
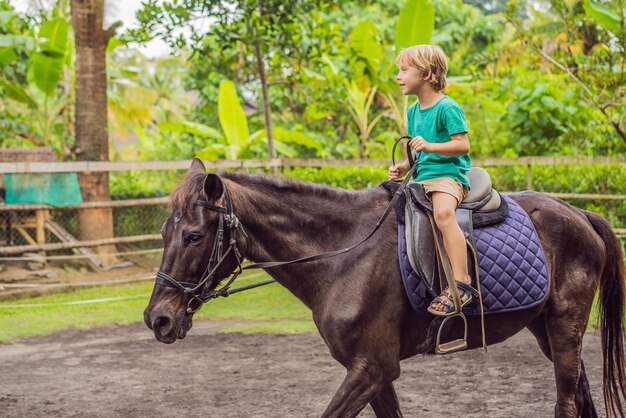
[125, 372]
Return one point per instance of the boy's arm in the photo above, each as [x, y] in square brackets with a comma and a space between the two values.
[458, 145]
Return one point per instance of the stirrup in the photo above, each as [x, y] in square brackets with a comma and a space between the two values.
[454, 345]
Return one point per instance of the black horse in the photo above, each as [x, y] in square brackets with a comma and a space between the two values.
[357, 299]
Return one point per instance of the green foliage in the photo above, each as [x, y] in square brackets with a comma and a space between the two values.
[544, 117]
[48, 61]
[416, 23]
[586, 41]
[604, 15]
[365, 43]
[236, 141]
[33, 95]
[232, 119]
[143, 96]
[331, 69]
[349, 178]
[138, 184]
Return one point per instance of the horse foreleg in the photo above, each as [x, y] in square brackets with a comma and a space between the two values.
[386, 405]
[363, 383]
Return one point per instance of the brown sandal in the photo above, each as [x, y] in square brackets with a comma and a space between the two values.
[466, 294]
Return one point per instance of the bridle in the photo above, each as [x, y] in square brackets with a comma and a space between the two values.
[206, 288]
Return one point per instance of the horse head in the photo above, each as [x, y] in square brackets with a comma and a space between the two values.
[200, 250]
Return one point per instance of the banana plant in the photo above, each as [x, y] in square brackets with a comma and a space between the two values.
[41, 97]
[609, 18]
[415, 26]
[416, 23]
[235, 138]
[360, 98]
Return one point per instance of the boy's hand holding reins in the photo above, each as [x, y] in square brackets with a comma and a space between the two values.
[420, 144]
[398, 171]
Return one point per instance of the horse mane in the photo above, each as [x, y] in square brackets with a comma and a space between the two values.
[279, 185]
[182, 198]
[184, 195]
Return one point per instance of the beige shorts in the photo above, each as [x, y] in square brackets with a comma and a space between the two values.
[445, 185]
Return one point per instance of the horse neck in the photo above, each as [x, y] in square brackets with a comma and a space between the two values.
[287, 220]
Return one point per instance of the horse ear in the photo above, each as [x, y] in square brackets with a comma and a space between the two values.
[213, 187]
[197, 165]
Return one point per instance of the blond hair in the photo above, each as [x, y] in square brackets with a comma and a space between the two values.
[431, 62]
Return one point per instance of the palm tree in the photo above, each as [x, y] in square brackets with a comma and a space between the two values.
[92, 140]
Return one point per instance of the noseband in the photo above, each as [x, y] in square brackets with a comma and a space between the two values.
[205, 289]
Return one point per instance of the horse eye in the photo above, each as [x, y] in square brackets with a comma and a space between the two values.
[194, 238]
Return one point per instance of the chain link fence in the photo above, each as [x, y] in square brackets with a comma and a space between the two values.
[135, 228]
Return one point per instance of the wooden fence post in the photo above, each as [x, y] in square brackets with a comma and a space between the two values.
[529, 177]
[40, 228]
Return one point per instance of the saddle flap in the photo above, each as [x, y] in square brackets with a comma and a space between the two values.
[420, 246]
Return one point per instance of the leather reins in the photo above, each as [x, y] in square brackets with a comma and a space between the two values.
[206, 288]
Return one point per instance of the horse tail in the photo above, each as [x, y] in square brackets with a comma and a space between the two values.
[611, 307]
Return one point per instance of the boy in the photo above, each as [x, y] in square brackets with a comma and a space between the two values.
[439, 130]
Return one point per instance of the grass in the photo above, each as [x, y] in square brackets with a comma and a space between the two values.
[280, 310]
[269, 309]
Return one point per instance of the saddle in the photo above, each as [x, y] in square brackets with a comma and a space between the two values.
[482, 207]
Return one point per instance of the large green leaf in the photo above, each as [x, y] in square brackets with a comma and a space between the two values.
[603, 14]
[46, 65]
[232, 118]
[211, 153]
[300, 138]
[193, 128]
[285, 149]
[115, 43]
[17, 93]
[45, 72]
[364, 42]
[415, 24]
[53, 37]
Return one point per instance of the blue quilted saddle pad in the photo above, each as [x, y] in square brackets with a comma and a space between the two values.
[512, 264]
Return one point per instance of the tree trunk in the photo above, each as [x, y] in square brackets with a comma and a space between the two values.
[92, 139]
[267, 110]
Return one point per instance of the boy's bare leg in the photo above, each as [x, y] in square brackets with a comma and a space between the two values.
[444, 206]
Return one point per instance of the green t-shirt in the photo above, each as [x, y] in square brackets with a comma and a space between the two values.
[436, 124]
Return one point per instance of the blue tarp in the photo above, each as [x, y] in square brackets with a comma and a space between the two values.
[54, 189]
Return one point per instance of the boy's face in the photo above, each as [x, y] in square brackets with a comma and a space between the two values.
[410, 79]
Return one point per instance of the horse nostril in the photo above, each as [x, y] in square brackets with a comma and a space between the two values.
[146, 319]
[162, 325]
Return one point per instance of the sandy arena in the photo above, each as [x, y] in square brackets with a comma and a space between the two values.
[124, 372]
